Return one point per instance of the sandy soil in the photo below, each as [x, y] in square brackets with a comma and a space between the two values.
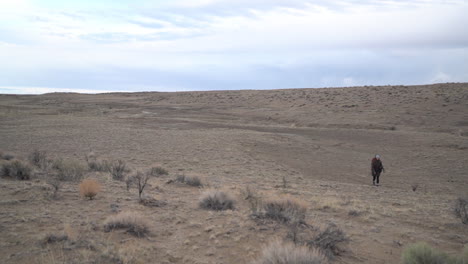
[320, 140]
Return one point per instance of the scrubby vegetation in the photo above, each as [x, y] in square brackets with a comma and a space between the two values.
[141, 179]
[117, 169]
[158, 171]
[285, 210]
[6, 156]
[69, 170]
[94, 164]
[216, 200]
[15, 169]
[421, 253]
[461, 209]
[38, 158]
[134, 223]
[89, 188]
[189, 180]
[288, 253]
[330, 241]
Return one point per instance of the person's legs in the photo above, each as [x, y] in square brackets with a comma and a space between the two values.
[374, 175]
[377, 175]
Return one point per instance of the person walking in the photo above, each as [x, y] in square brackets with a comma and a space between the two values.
[376, 168]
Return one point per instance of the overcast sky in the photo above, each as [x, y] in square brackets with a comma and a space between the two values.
[179, 45]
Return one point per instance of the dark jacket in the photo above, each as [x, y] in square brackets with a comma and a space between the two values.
[376, 166]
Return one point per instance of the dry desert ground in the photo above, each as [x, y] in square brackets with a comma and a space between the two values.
[313, 146]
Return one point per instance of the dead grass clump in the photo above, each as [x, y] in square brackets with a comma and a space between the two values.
[330, 241]
[38, 158]
[134, 223]
[53, 238]
[68, 170]
[216, 200]
[285, 210]
[151, 202]
[6, 156]
[461, 210]
[89, 188]
[421, 253]
[190, 180]
[117, 170]
[94, 164]
[288, 253]
[158, 171]
[16, 169]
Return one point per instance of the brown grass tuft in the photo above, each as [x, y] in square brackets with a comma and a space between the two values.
[68, 170]
[16, 169]
[38, 158]
[158, 171]
[330, 241]
[285, 210]
[133, 222]
[216, 200]
[89, 188]
[189, 180]
[117, 169]
[288, 253]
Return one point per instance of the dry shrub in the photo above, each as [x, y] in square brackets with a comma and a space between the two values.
[16, 169]
[117, 169]
[133, 222]
[180, 178]
[53, 238]
[6, 156]
[68, 170]
[38, 158]
[89, 188]
[461, 210]
[330, 241]
[94, 164]
[288, 253]
[151, 202]
[193, 181]
[189, 180]
[216, 200]
[421, 253]
[158, 171]
[141, 179]
[285, 210]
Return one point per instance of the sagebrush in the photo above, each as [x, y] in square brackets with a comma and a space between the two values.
[117, 169]
[216, 200]
[331, 241]
[16, 169]
[133, 222]
[286, 210]
[38, 158]
[94, 164]
[190, 180]
[461, 209]
[158, 171]
[69, 170]
[288, 253]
